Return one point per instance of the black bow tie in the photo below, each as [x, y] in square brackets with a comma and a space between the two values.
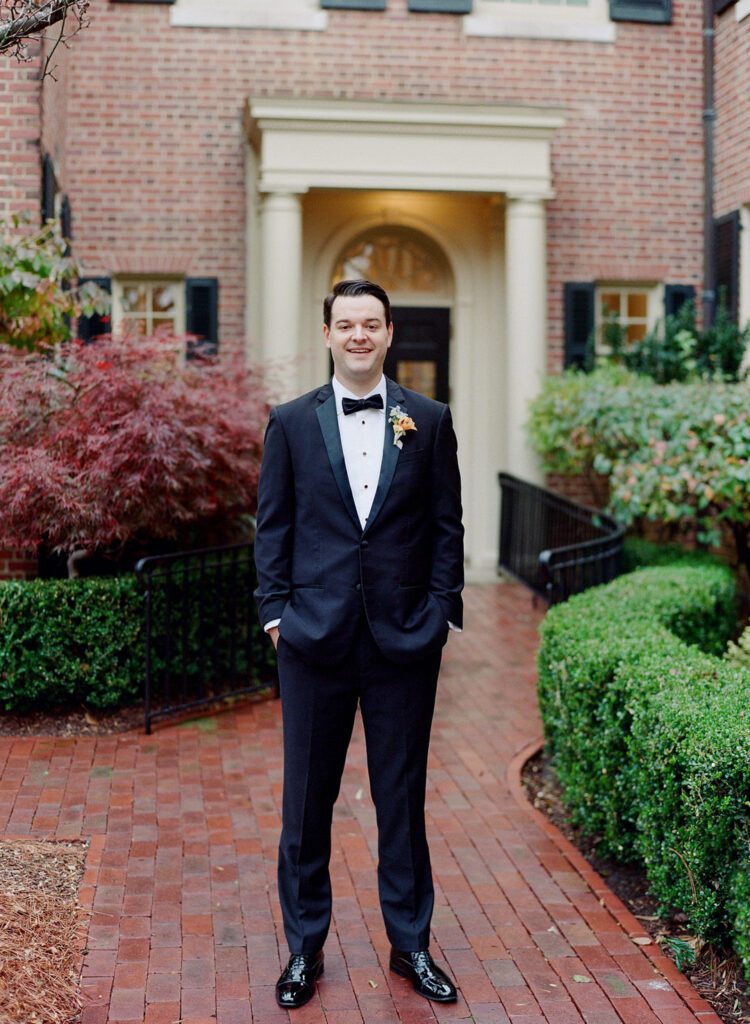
[357, 404]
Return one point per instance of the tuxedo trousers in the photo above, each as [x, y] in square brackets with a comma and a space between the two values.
[318, 711]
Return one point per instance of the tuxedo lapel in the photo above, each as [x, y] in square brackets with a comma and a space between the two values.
[329, 426]
[391, 451]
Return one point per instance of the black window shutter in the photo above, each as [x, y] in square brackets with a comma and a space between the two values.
[675, 297]
[66, 219]
[92, 326]
[656, 12]
[354, 5]
[579, 321]
[441, 6]
[49, 189]
[202, 314]
[727, 259]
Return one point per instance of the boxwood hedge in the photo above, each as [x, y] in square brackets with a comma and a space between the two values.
[650, 734]
[81, 641]
[70, 642]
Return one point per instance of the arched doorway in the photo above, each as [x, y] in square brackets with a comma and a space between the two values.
[416, 275]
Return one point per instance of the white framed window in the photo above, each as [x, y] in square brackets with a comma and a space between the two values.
[144, 305]
[282, 14]
[635, 307]
[586, 20]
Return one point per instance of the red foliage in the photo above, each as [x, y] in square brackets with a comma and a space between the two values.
[121, 441]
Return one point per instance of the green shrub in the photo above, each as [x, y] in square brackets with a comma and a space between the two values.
[70, 642]
[676, 454]
[693, 738]
[676, 350]
[650, 734]
[639, 553]
[82, 641]
[585, 696]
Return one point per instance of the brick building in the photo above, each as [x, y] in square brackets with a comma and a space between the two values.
[509, 170]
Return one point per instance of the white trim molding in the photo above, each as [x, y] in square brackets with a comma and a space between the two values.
[741, 9]
[425, 146]
[283, 14]
[510, 27]
[578, 20]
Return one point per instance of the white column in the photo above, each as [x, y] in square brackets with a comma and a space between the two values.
[526, 334]
[281, 282]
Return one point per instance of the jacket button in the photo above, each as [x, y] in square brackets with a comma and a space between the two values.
[358, 587]
[363, 544]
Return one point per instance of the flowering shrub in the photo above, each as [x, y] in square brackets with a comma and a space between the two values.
[120, 443]
[676, 454]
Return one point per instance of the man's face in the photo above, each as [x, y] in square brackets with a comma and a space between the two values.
[358, 339]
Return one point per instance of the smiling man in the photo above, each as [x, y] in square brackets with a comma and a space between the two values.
[359, 554]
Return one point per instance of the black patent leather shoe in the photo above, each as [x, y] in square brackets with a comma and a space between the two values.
[296, 986]
[424, 974]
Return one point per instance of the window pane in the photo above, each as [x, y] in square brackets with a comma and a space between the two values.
[164, 298]
[638, 305]
[134, 298]
[610, 303]
[162, 323]
[135, 325]
[419, 375]
[636, 332]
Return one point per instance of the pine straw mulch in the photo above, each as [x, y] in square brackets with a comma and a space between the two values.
[715, 973]
[40, 931]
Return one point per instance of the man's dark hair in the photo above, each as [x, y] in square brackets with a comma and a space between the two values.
[354, 288]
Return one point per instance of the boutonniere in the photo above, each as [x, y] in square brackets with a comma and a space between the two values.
[401, 423]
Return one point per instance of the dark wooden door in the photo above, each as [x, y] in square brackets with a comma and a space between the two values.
[418, 357]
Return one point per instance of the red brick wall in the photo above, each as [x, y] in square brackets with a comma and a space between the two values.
[17, 565]
[156, 143]
[20, 162]
[732, 112]
[54, 110]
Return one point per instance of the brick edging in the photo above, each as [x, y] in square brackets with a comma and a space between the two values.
[627, 921]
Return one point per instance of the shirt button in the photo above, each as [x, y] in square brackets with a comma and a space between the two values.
[366, 486]
[364, 453]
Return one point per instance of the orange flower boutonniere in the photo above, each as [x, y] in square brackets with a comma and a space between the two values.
[401, 423]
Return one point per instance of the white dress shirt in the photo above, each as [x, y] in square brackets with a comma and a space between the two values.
[362, 436]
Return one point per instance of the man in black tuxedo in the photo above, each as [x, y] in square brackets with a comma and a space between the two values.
[359, 553]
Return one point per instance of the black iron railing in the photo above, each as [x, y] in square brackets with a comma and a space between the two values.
[203, 639]
[553, 545]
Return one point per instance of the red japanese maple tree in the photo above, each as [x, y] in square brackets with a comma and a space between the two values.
[122, 443]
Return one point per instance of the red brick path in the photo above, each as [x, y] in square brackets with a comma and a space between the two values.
[181, 870]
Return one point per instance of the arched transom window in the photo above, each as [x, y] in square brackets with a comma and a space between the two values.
[401, 260]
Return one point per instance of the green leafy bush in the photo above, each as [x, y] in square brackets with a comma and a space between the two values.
[677, 455]
[39, 289]
[81, 641]
[70, 642]
[676, 350]
[639, 553]
[650, 735]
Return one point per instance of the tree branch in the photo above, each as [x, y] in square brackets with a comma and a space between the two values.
[30, 19]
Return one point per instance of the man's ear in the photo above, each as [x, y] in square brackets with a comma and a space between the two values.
[390, 334]
[327, 335]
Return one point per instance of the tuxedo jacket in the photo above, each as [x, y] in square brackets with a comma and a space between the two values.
[318, 569]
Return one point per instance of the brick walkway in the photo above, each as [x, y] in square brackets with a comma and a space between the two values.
[180, 876]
